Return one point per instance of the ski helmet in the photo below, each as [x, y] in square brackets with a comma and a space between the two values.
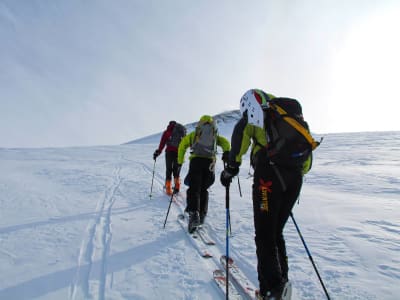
[206, 119]
[253, 102]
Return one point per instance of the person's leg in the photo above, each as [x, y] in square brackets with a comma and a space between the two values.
[203, 205]
[169, 158]
[175, 171]
[168, 172]
[193, 203]
[294, 182]
[208, 179]
[267, 193]
[175, 168]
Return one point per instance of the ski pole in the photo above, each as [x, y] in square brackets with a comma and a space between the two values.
[169, 206]
[229, 221]
[227, 239]
[309, 256]
[240, 189]
[152, 179]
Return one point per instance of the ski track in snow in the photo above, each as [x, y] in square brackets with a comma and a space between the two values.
[96, 245]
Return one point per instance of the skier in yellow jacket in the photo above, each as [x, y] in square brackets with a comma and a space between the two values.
[203, 143]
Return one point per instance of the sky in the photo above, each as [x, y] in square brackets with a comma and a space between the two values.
[78, 223]
[76, 73]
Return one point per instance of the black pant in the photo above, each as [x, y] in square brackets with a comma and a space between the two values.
[272, 205]
[201, 176]
[171, 164]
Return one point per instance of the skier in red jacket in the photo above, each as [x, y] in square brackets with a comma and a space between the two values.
[171, 138]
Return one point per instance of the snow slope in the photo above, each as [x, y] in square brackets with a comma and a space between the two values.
[78, 223]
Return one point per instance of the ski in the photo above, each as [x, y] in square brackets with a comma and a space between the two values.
[205, 237]
[194, 238]
[179, 201]
[245, 286]
[239, 279]
[220, 280]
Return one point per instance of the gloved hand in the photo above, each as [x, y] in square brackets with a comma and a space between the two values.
[156, 153]
[227, 174]
[225, 156]
[225, 179]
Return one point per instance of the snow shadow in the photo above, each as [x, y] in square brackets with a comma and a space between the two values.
[45, 284]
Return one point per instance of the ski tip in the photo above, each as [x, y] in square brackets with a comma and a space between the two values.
[218, 273]
[230, 260]
[207, 255]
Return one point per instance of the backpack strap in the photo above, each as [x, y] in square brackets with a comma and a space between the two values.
[296, 125]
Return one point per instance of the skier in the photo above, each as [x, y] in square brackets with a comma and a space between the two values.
[171, 137]
[275, 190]
[203, 143]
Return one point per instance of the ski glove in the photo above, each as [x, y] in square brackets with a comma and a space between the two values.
[225, 156]
[227, 174]
[156, 153]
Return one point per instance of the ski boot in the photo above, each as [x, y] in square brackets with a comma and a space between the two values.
[177, 184]
[202, 218]
[282, 292]
[168, 187]
[194, 221]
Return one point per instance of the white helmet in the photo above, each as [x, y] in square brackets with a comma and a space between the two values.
[254, 101]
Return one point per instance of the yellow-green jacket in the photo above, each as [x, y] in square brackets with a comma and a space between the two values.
[188, 141]
[245, 134]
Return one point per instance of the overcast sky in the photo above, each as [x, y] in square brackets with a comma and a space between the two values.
[106, 72]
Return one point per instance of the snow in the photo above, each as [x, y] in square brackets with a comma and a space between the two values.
[78, 223]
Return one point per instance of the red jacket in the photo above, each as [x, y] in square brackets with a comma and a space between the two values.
[165, 137]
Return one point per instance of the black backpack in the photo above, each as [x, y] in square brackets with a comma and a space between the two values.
[290, 143]
[177, 134]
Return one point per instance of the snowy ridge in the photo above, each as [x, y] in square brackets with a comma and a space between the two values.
[78, 223]
[225, 122]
